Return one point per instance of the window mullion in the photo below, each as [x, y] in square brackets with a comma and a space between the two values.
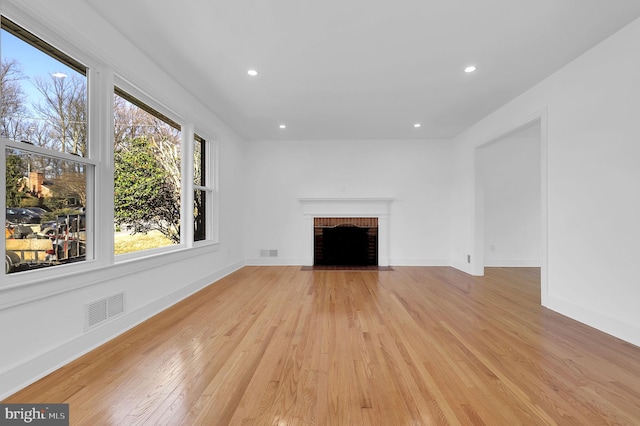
[101, 143]
[187, 187]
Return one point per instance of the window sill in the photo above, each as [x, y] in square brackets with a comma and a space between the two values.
[30, 288]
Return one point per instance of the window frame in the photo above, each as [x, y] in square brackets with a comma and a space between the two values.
[56, 48]
[210, 188]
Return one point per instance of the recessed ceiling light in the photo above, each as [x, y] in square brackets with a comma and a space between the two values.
[283, 126]
[252, 73]
[470, 68]
[417, 125]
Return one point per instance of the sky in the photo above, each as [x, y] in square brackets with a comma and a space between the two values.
[33, 61]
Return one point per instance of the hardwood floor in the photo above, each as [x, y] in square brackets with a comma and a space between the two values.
[412, 346]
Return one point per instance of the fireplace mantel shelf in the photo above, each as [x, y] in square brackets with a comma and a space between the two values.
[345, 200]
[344, 205]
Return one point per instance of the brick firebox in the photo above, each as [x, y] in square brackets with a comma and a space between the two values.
[351, 241]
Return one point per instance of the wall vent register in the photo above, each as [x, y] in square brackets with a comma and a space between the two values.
[101, 310]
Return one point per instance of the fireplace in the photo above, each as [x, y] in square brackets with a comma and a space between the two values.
[346, 241]
[341, 211]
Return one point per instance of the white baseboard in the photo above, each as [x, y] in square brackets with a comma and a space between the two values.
[628, 332]
[512, 263]
[419, 262]
[274, 261]
[33, 369]
[470, 269]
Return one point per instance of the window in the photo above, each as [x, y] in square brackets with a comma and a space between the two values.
[52, 170]
[204, 192]
[48, 173]
[147, 177]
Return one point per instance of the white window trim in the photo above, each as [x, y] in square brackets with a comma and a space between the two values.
[186, 194]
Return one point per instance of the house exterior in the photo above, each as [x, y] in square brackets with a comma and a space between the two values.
[35, 184]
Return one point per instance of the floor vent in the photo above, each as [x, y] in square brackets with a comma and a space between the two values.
[268, 253]
[101, 310]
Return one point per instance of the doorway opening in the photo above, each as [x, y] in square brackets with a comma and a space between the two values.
[505, 248]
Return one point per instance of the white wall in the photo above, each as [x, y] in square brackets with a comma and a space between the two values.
[591, 202]
[510, 180]
[41, 323]
[415, 173]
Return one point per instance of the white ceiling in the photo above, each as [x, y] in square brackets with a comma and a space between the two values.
[361, 69]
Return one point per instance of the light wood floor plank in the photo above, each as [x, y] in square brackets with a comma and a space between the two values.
[411, 346]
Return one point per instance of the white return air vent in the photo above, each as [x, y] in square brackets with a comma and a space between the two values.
[97, 312]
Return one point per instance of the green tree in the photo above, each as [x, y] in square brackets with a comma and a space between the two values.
[15, 173]
[72, 185]
[145, 196]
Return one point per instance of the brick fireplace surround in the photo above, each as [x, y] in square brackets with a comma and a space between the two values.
[333, 210]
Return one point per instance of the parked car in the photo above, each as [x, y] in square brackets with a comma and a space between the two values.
[20, 215]
[39, 211]
[28, 211]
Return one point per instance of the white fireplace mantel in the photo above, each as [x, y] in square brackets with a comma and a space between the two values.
[348, 207]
